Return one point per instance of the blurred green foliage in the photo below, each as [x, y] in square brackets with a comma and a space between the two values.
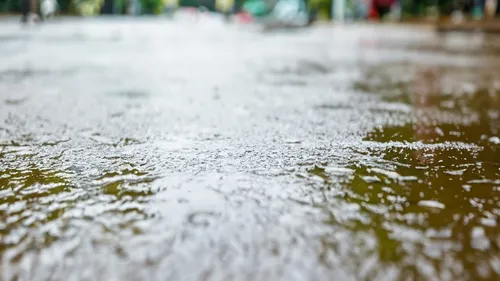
[154, 7]
[209, 4]
[9, 5]
[86, 7]
[65, 6]
[324, 8]
[411, 8]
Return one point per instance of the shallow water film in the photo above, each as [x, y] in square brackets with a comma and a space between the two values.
[156, 150]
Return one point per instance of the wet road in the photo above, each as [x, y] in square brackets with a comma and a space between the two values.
[155, 150]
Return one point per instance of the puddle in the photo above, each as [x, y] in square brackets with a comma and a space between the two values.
[429, 211]
[399, 178]
[452, 89]
[126, 182]
[447, 44]
[424, 197]
[30, 197]
[42, 207]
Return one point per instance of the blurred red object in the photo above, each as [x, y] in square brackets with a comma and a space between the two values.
[383, 3]
[372, 13]
[191, 10]
[244, 17]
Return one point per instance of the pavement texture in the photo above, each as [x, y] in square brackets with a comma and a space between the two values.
[193, 149]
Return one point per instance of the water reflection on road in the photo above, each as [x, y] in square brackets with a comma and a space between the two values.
[431, 192]
[354, 153]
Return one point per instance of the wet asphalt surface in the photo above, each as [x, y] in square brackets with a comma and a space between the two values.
[184, 150]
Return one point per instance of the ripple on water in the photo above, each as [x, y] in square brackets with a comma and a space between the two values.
[31, 198]
[416, 201]
[420, 200]
[424, 200]
[47, 209]
[414, 225]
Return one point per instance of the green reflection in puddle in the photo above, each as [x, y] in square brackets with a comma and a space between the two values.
[427, 204]
[461, 90]
[42, 208]
[428, 192]
[126, 183]
[23, 178]
[30, 198]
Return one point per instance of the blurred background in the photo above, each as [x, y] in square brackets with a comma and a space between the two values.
[456, 11]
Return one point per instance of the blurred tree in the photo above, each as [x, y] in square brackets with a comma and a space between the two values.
[418, 8]
[10, 5]
[120, 7]
[14, 5]
[411, 8]
[107, 7]
[152, 6]
[209, 4]
[324, 8]
[446, 6]
[64, 5]
[86, 7]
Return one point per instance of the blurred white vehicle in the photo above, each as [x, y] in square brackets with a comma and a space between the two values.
[48, 8]
[288, 14]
